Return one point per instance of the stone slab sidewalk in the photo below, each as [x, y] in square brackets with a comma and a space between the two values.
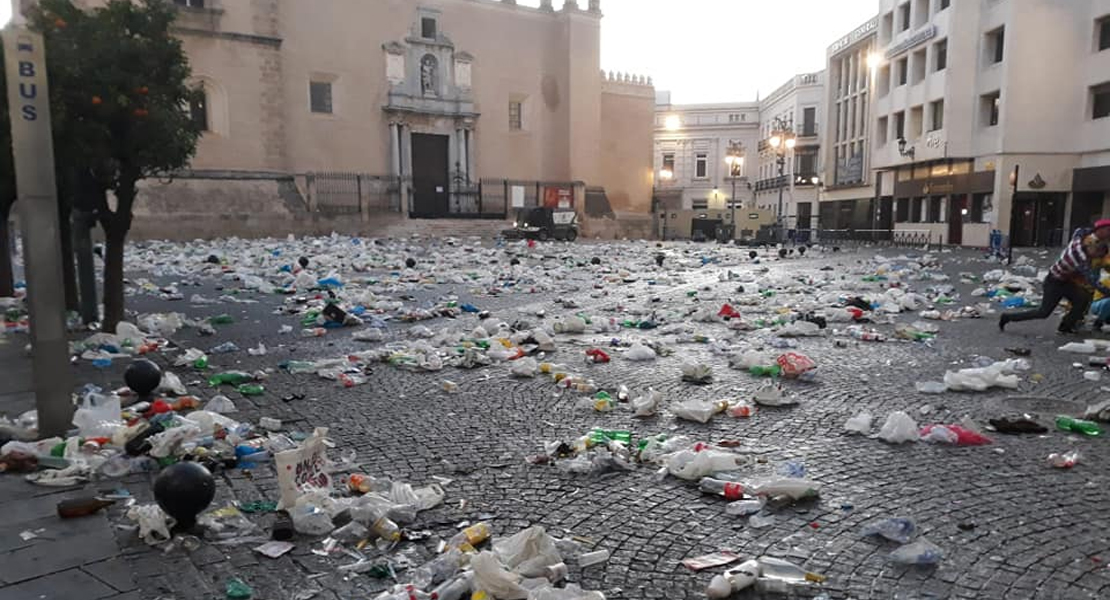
[76, 558]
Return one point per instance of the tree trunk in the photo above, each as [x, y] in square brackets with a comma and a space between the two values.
[69, 272]
[114, 240]
[7, 280]
[116, 225]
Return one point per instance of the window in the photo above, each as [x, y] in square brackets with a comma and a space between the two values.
[982, 208]
[1100, 101]
[701, 166]
[903, 68]
[807, 165]
[190, 3]
[516, 115]
[902, 212]
[989, 105]
[1102, 32]
[668, 162]
[936, 115]
[883, 129]
[996, 46]
[936, 209]
[319, 93]
[428, 28]
[917, 211]
[884, 80]
[809, 121]
[899, 125]
[198, 111]
[904, 17]
[886, 30]
[943, 4]
[919, 60]
[921, 12]
[940, 54]
[917, 116]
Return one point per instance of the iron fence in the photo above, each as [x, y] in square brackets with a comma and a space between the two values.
[339, 193]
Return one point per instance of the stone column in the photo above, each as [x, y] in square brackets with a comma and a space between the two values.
[546, 5]
[395, 149]
[406, 167]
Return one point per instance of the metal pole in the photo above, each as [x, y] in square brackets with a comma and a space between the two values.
[782, 182]
[33, 151]
[733, 201]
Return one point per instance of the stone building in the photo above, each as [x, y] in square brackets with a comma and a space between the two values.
[401, 109]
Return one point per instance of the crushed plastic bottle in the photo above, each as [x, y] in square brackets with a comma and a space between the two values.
[896, 529]
[921, 552]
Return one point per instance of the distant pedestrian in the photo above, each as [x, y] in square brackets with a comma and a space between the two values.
[1070, 277]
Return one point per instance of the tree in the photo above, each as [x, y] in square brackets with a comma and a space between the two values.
[119, 98]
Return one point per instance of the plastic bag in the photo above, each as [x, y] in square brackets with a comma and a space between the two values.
[524, 367]
[1079, 348]
[171, 384]
[800, 329]
[494, 579]
[921, 552]
[221, 405]
[899, 428]
[571, 324]
[305, 467]
[860, 423]
[691, 466]
[794, 365]
[154, 525]
[164, 444]
[697, 373]
[695, 410]
[999, 374]
[528, 552]
[953, 434]
[309, 518]
[571, 592]
[429, 496]
[98, 416]
[639, 353]
[648, 404]
[189, 357]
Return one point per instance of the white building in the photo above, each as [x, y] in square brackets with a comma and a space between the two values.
[981, 90]
[692, 143]
[799, 106]
[848, 197]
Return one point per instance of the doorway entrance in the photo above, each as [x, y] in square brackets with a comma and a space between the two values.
[430, 178]
[956, 209]
[1037, 219]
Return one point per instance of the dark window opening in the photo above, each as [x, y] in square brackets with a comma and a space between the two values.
[198, 112]
[428, 28]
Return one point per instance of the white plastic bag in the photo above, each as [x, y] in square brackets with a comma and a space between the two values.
[494, 579]
[691, 466]
[571, 324]
[999, 374]
[303, 468]
[899, 428]
[171, 384]
[370, 334]
[695, 410]
[1079, 348]
[571, 592]
[697, 373]
[221, 405]
[528, 552]
[98, 416]
[648, 404]
[524, 367]
[154, 525]
[639, 353]
[860, 423]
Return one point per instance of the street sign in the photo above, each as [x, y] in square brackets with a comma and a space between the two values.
[37, 194]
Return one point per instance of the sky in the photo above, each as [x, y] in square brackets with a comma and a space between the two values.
[715, 50]
[722, 50]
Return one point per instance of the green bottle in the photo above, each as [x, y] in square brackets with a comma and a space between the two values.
[224, 319]
[230, 377]
[602, 436]
[251, 389]
[771, 371]
[201, 363]
[310, 318]
[1066, 423]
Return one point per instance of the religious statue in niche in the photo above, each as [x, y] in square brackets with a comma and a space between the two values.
[428, 75]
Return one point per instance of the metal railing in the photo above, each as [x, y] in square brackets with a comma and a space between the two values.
[340, 193]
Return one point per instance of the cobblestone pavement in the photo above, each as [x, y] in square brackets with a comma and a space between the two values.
[1032, 531]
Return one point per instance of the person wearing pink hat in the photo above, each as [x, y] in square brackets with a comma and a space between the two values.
[1070, 277]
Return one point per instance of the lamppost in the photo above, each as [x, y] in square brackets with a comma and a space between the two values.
[665, 176]
[782, 142]
[735, 161]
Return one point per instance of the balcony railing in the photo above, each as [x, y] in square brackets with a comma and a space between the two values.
[808, 130]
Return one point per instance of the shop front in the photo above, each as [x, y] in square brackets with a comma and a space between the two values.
[945, 202]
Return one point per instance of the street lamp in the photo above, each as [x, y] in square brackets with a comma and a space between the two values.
[666, 174]
[782, 142]
[911, 152]
[735, 161]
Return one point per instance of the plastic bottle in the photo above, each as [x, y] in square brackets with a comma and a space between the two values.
[251, 389]
[1066, 423]
[897, 529]
[438, 570]
[466, 539]
[733, 580]
[230, 378]
[455, 589]
[224, 319]
[603, 436]
[729, 490]
[386, 529]
[314, 332]
[365, 484]
[795, 488]
[743, 508]
[766, 371]
[921, 552]
[781, 570]
[593, 558]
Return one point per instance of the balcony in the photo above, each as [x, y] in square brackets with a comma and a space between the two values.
[808, 130]
[771, 183]
[774, 183]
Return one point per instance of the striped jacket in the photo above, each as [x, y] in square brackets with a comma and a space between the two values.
[1075, 262]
